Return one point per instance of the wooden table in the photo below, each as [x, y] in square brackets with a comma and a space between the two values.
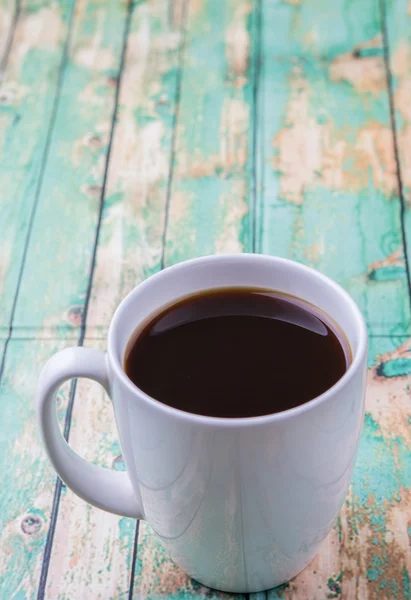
[135, 135]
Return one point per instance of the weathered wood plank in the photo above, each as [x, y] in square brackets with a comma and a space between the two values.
[26, 479]
[96, 547]
[7, 16]
[373, 523]
[132, 228]
[376, 518]
[211, 191]
[37, 47]
[385, 531]
[397, 18]
[2, 344]
[63, 235]
[368, 549]
[27, 97]
[368, 555]
[327, 167]
[92, 549]
[329, 197]
[209, 205]
[63, 231]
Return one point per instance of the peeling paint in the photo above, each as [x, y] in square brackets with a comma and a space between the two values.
[326, 193]
[309, 153]
[363, 70]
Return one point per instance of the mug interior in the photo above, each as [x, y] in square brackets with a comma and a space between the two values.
[241, 270]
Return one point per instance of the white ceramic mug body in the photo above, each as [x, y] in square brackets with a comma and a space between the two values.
[240, 504]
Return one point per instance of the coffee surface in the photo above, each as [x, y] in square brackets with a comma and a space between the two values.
[237, 352]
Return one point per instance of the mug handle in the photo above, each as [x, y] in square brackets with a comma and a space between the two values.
[105, 488]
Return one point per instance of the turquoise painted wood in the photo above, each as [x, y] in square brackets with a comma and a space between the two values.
[7, 16]
[74, 172]
[327, 157]
[131, 239]
[196, 126]
[25, 509]
[398, 20]
[211, 194]
[134, 209]
[29, 92]
[72, 163]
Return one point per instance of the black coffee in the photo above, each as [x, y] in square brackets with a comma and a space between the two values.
[237, 352]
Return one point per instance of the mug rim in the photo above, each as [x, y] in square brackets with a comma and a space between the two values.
[358, 356]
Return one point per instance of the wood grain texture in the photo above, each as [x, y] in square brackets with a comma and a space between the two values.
[211, 193]
[131, 239]
[26, 479]
[76, 150]
[8, 14]
[208, 200]
[92, 551]
[327, 163]
[329, 197]
[29, 92]
[63, 232]
[96, 63]
[240, 124]
[355, 559]
[397, 26]
[367, 555]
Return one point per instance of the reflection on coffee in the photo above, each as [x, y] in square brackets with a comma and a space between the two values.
[237, 352]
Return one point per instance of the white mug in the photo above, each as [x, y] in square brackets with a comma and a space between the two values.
[241, 505]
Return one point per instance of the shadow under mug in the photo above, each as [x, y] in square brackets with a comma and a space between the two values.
[241, 505]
